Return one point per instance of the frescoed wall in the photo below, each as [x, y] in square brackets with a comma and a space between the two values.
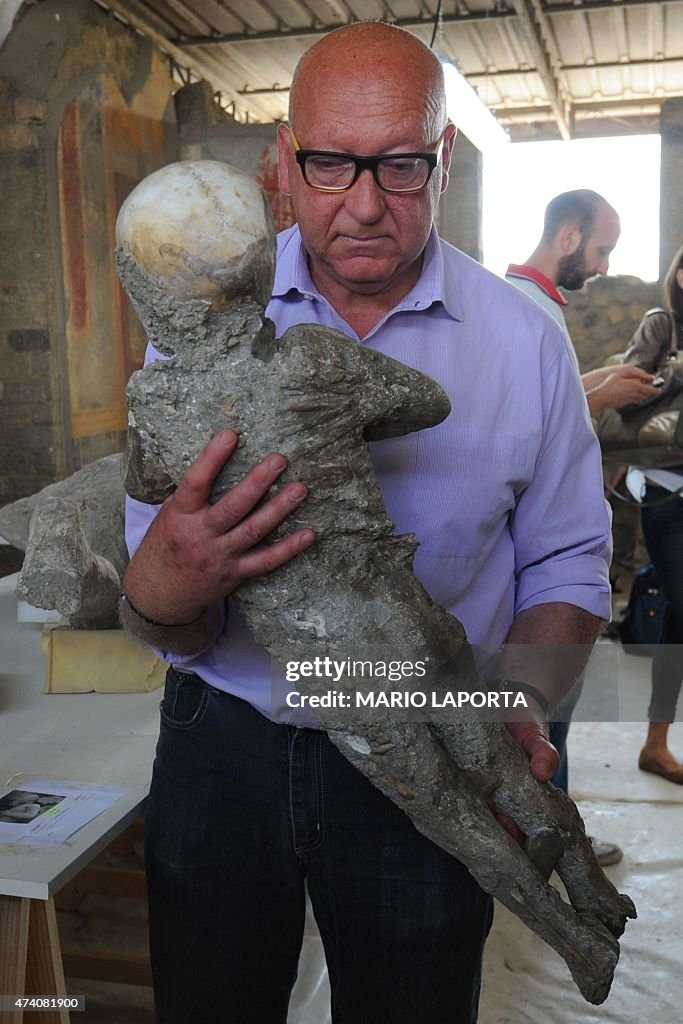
[86, 111]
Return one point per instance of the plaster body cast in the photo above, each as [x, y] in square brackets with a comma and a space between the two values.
[492, 504]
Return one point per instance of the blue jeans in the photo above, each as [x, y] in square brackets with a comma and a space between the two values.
[241, 812]
[663, 532]
[558, 732]
[558, 737]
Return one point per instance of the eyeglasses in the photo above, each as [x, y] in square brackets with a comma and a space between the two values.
[337, 172]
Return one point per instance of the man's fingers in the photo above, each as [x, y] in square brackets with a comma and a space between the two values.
[544, 759]
[636, 373]
[544, 762]
[255, 527]
[271, 556]
[510, 827]
[507, 822]
[238, 502]
[192, 493]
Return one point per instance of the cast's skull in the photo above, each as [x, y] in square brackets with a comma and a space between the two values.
[200, 230]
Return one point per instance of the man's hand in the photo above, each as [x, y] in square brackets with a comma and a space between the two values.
[195, 553]
[615, 387]
[547, 647]
[530, 730]
[532, 736]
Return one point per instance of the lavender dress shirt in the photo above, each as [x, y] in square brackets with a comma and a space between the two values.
[505, 496]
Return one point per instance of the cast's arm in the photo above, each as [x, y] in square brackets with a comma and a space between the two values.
[187, 556]
[193, 554]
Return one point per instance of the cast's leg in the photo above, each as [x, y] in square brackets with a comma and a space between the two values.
[402, 922]
[226, 889]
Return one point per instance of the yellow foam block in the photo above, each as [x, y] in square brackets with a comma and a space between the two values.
[100, 660]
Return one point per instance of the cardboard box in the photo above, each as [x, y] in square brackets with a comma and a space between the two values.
[99, 660]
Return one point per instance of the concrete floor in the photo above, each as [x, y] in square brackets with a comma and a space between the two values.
[524, 981]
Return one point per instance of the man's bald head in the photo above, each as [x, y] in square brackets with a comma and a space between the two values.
[580, 206]
[369, 92]
[358, 57]
[579, 233]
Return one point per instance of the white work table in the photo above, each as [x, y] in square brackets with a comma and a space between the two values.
[97, 738]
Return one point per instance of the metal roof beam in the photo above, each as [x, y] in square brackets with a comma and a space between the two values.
[584, 6]
[321, 30]
[487, 76]
[588, 108]
[536, 31]
[638, 62]
[483, 76]
[410, 23]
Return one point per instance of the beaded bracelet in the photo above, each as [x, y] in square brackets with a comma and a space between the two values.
[155, 622]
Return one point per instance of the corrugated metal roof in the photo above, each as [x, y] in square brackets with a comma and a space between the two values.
[548, 68]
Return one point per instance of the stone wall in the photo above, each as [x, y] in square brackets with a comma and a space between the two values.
[85, 113]
[604, 315]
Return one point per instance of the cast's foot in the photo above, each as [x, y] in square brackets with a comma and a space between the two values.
[662, 763]
[607, 853]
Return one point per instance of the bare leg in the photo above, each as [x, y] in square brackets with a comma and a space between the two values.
[656, 757]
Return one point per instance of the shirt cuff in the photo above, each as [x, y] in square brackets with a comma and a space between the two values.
[173, 643]
[545, 585]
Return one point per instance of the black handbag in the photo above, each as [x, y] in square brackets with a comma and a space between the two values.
[650, 435]
[642, 627]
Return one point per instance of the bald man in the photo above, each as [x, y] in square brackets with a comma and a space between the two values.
[248, 802]
[580, 231]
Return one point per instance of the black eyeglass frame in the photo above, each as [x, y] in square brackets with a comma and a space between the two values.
[370, 163]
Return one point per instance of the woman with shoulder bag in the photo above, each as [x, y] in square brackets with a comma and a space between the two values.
[660, 335]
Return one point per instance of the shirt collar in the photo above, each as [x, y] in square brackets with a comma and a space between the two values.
[291, 269]
[434, 285]
[523, 270]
